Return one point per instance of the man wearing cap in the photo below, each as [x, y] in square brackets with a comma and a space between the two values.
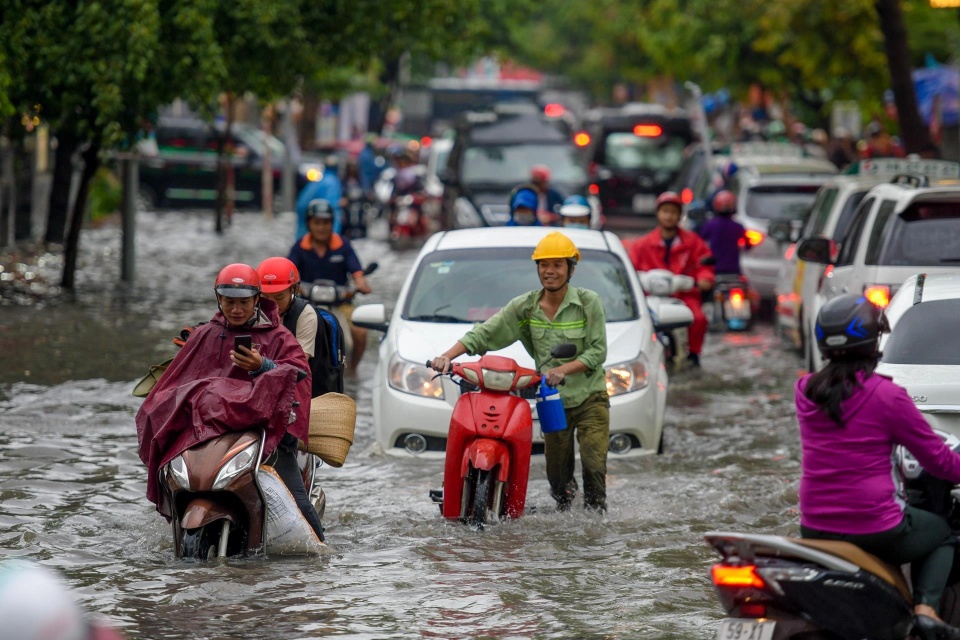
[523, 208]
[682, 252]
[323, 254]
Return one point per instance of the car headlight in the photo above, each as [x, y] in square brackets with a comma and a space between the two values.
[312, 172]
[237, 465]
[629, 376]
[410, 377]
[178, 468]
[466, 214]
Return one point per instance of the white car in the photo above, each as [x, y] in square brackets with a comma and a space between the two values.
[464, 277]
[833, 212]
[922, 351]
[898, 230]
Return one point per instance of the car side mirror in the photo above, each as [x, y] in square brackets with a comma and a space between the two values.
[563, 350]
[818, 250]
[371, 316]
[673, 316]
[780, 230]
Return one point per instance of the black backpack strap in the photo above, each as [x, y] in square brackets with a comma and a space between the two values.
[293, 314]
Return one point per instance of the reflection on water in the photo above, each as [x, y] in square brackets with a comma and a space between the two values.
[72, 486]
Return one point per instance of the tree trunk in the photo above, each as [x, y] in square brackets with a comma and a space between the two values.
[308, 120]
[914, 133]
[91, 162]
[389, 78]
[67, 145]
[224, 170]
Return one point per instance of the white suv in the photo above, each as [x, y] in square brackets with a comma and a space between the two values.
[899, 229]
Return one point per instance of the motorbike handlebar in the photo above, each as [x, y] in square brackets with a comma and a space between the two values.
[429, 365]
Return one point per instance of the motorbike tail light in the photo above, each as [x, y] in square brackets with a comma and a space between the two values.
[594, 189]
[753, 237]
[647, 130]
[582, 139]
[726, 576]
[736, 297]
[878, 294]
[753, 610]
[686, 196]
[426, 141]
[553, 110]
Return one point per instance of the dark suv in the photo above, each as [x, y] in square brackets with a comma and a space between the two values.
[634, 153]
[184, 170]
[493, 152]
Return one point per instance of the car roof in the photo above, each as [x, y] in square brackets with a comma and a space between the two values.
[905, 193]
[515, 129]
[764, 165]
[490, 237]
[938, 286]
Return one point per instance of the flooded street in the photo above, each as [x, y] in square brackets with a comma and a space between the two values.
[72, 486]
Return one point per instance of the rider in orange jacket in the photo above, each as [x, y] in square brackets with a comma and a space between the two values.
[682, 252]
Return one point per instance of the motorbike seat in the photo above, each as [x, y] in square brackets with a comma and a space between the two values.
[866, 561]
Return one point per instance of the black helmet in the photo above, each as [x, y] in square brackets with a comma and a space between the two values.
[848, 325]
[320, 208]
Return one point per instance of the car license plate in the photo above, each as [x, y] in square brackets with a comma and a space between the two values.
[740, 311]
[644, 203]
[745, 629]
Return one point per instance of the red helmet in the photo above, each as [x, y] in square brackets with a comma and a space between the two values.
[540, 173]
[669, 197]
[724, 202]
[277, 274]
[237, 281]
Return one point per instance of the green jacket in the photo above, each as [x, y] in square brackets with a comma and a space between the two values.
[579, 320]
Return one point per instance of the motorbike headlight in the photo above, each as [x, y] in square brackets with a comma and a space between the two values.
[323, 294]
[178, 469]
[498, 380]
[312, 172]
[629, 376]
[466, 214]
[410, 377]
[236, 465]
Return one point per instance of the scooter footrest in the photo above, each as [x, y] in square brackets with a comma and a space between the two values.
[436, 495]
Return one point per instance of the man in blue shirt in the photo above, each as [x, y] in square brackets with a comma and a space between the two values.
[322, 254]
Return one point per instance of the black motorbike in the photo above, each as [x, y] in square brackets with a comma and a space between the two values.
[729, 306]
[777, 588]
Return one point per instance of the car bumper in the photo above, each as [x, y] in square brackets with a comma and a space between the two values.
[397, 414]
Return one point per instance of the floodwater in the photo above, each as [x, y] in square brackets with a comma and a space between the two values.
[72, 486]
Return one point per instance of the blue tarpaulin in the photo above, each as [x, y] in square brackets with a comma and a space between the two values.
[938, 84]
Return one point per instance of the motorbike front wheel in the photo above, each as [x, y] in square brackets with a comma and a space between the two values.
[199, 543]
[482, 489]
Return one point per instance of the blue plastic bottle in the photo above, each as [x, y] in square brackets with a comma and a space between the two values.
[550, 408]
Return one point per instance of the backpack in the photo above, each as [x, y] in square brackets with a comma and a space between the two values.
[329, 352]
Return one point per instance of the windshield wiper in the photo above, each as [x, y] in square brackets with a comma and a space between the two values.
[437, 318]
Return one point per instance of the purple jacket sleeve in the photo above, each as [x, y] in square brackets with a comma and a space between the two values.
[913, 432]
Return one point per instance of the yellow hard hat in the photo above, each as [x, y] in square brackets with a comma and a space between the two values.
[556, 245]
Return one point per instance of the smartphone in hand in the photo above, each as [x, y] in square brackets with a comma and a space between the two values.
[246, 341]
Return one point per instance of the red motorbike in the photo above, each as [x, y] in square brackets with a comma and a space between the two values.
[487, 464]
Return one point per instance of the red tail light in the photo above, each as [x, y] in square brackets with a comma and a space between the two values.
[647, 130]
[753, 237]
[426, 141]
[582, 139]
[553, 110]
[736, 296]
[753, 610]
[791, 250]
[878, 294]
[727, 576]
[686, 196]
[594, 190]
[823, 276]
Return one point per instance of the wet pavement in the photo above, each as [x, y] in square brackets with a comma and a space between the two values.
[72, 486]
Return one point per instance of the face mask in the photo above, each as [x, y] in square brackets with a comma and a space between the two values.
[524, 218]
[577, 225]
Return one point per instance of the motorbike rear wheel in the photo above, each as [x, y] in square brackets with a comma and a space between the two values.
[199, 543]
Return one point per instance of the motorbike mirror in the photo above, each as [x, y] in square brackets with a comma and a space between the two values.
[373, 266]
[564, 350]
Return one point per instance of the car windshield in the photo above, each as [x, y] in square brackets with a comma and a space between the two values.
[629, 152]
[254, 138]
[926, 234]
[926, 334]
[790, 202]
[470, 285]
[511, 164]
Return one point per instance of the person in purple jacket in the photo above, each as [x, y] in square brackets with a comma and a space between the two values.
[851, 420]
[724, 235]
